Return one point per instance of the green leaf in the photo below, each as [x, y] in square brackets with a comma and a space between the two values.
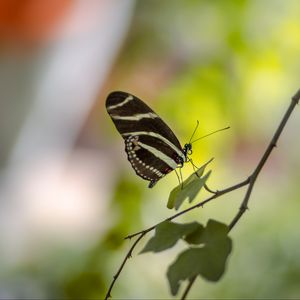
[195, 237]
[208, 261]
[191, 187]
[167, 234]
[214, 231]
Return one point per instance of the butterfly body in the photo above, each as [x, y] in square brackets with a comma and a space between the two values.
[151, 146]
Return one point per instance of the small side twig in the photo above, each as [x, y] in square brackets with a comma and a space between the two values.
[209, 190]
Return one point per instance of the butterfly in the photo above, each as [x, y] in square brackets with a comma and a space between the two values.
[152, 147]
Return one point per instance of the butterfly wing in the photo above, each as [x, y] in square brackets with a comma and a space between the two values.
[151, 146]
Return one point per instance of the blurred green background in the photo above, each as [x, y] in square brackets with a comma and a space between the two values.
[65, 212]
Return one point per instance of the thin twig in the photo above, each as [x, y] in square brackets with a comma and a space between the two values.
[257, 170]
[128, 255]
[209, 190]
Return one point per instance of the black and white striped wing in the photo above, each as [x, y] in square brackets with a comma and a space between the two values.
[151, 146]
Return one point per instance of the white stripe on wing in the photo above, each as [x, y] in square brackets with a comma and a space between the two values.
[136, 117]
[160, 137]
[166, 159]
[129, 98]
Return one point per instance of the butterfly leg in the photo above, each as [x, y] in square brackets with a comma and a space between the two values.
[194, 166]
[152, 183]
[181, 177]
[177, 176]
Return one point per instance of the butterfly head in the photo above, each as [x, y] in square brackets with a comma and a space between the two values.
[187, 149]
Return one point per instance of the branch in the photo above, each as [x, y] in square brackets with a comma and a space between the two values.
[250, 181]
[256, 172]
[200, 204]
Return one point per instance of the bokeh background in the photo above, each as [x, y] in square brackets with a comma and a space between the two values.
[68, 194]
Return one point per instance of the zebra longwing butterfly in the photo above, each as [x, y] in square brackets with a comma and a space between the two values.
[151, 146]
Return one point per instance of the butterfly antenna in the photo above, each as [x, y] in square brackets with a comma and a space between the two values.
[194, 131]
[225, 128]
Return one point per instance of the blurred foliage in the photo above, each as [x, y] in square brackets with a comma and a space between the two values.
[223, 63]
[90, 281]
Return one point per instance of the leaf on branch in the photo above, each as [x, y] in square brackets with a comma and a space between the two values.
[191, 187]
[168, 233]
[214, 231]
[208, 261]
